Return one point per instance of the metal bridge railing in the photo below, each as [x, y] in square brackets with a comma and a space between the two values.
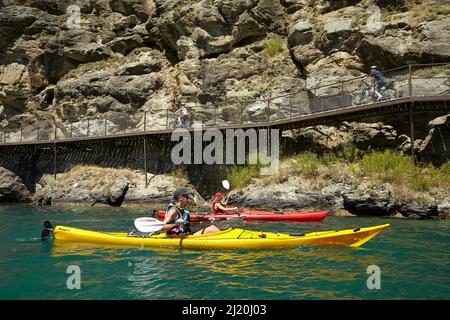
[409, 81]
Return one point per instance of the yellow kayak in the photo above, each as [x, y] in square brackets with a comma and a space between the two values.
[233, 238]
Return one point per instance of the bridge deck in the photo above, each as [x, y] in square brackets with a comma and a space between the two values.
[441, 103]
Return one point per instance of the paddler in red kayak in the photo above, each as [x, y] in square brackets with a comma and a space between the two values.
[217, 206]
[177, 218]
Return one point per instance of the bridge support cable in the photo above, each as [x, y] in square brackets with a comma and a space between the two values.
[145, 160]
[54, 161]
[411, 124]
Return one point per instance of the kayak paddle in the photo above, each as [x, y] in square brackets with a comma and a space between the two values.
[148, 224]
[226, 184]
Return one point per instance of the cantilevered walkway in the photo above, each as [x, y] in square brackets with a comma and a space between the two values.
[410, 89]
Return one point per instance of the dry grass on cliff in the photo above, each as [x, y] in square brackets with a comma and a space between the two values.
[91, 177]
[427, 72]
[179, 175]
[427, 11]
[100, 65]
[100, 171]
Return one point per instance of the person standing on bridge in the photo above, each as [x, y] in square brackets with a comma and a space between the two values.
[380, 82]
[183, 116]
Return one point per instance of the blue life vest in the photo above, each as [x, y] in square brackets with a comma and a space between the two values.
[181, 214]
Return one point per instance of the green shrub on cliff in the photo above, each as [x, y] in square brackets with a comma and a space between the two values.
[445, 171]
[387, 166]
[274, 45]
[400, 171]
[344, 153]
[179, 174]
[306, 163]
[444, 176]
[240, 176]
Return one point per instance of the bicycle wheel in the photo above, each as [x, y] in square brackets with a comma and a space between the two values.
[389, 94]
[360, 98]
[173, 125]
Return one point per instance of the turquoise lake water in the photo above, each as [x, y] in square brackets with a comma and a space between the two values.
[413, 257]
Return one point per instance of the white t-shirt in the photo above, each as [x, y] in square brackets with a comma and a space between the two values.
[183, 111]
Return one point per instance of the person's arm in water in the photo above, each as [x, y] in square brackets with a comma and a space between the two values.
[168, 218]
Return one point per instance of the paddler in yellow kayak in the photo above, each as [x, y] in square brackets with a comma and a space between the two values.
[217, 206]
[177, 218]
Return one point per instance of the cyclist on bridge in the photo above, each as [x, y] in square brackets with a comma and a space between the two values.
[183, 116]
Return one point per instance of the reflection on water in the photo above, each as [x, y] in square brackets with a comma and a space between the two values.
[160, 272]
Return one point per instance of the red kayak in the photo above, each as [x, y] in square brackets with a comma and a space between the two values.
[258, 215]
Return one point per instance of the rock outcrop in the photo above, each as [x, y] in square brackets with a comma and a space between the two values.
[435, 148]
[364, 136]
[355, 199]
[89, 185]
[12, 189]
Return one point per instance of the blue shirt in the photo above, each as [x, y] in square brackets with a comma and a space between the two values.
[378, 76]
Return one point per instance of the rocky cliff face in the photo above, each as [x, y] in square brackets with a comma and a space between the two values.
[12, 189]
[62, 63]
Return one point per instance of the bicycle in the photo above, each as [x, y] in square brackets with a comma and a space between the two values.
[389, 91]
[364, 96]
[385, 92]
[178, 123]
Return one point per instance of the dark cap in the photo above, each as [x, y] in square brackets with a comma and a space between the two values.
[181, 192]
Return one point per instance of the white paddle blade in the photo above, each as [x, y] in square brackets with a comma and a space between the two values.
[148, 224]
[226, 184]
